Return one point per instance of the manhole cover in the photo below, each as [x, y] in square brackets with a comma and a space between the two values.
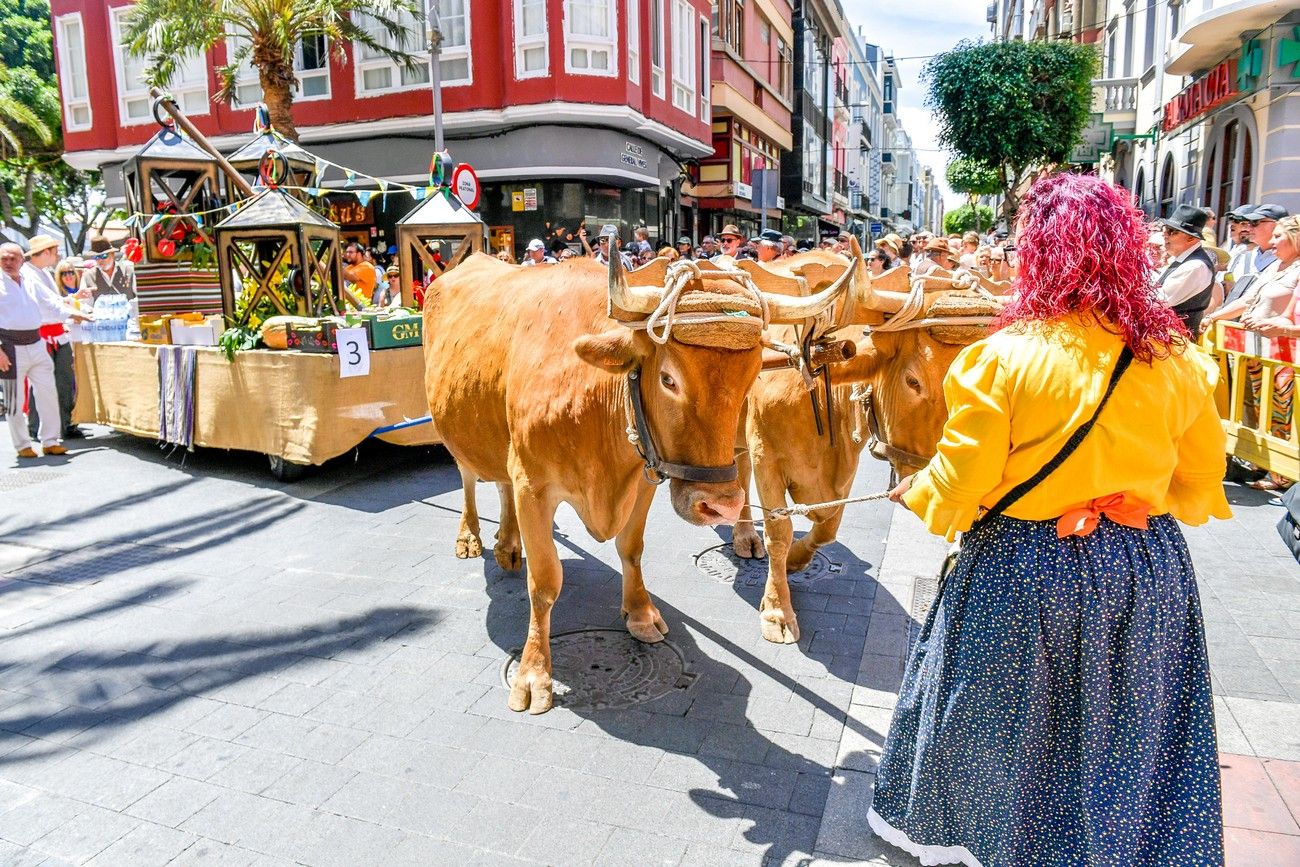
[14, 481]
[924, 589]
[608, 669]
[722, 564]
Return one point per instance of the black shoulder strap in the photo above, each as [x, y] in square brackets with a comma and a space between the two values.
[1125, 359]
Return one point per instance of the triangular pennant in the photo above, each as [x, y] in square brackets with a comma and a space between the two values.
[320, 167]
[383, 186]
[198, 219]
[131, 220]
[352, 176]
[363, 196]
[153, 221]
[418, 193]
[313, 191]
[430, 190]
[232, 208]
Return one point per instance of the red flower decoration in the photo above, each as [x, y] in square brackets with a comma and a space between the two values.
[178, 233]
[166, 248]
[132, 250]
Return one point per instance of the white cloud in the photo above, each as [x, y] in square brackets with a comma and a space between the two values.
[912, 34]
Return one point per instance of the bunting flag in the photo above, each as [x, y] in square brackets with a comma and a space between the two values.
[430, 190]
[363, 196]
[231, 209]
[418, 193]
[153, 221]
[352, 176]
[198, 219]
[313, 191]
[130, 221]
[383, 188]
[320, 167]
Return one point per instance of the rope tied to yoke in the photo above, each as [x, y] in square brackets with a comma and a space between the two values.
[725, 319]
[912, 313]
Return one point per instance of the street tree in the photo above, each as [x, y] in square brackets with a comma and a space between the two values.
[1012, 107]
[967, 218]
[266, 34]
[37, 188]
[973, 180]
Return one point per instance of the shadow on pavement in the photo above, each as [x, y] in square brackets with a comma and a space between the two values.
[756, 777]
[169, 673]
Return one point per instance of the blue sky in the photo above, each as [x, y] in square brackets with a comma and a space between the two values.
[919, 27]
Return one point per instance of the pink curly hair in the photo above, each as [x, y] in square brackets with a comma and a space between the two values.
[1082, 247]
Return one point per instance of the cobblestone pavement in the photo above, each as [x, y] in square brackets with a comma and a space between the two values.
[201, 665]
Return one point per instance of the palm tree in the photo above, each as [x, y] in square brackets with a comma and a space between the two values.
[267, 33]
[19, 123]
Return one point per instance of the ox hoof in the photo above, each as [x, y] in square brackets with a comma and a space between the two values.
[531, 692]
[468, 546]
[799, 557]
[779, 627]
[748, 545]
[510, 555]
[647, 627]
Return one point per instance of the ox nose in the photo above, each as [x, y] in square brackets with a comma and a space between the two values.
[712, 508]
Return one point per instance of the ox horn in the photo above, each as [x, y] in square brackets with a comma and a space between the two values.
[790, 308]
[631, 299]
[886, 293]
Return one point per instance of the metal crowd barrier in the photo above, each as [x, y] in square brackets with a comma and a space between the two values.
[1254, 399]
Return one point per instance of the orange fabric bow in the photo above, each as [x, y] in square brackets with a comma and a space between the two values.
[1120, 508]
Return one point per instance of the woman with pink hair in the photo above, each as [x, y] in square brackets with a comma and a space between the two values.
[1056, 705]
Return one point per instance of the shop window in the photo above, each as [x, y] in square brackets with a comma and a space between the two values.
[1167, 187]
[657, 47]
[684, 56]
[530, 38]
[310, 66]
[74, 84]
[589, 37]
[634, 41]
[134, 104]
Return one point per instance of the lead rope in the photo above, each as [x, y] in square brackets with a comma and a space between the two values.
[803, 509]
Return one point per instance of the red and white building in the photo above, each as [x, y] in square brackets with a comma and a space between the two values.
[571, 111]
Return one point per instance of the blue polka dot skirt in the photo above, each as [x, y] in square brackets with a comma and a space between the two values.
[1056, 707]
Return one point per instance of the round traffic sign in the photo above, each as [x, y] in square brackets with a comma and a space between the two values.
[466, 186]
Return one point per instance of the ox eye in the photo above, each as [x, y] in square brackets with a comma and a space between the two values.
[668, 382]
[913, 383]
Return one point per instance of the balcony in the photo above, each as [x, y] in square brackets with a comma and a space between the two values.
[1207, 38]
[1116, 100]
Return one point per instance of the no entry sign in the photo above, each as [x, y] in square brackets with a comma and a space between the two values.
[466, 186]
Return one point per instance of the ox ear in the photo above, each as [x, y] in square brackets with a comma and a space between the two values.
[612, 351]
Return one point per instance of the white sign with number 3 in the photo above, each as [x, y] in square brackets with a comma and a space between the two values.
[354, 352]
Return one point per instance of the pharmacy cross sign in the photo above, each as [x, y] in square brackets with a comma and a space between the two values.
[1288, 53]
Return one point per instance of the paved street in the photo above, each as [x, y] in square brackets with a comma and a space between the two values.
[200, 665]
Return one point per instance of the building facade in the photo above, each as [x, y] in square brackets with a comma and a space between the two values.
[572, 111]
[807, 179]
[1198, 101]
[867, 130]
[752, 81]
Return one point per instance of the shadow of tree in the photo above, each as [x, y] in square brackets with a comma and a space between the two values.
[166, 674]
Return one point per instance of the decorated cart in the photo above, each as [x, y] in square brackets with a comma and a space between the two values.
[294, 366]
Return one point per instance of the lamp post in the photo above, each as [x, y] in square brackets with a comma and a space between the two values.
[433, 31]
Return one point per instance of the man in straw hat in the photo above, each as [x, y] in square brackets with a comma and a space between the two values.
[938, 255]
[110, 276]
[24, 306]
[731, 240]
[1187, 283]
[42, 256]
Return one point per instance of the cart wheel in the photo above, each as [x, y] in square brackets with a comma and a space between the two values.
[286, 471]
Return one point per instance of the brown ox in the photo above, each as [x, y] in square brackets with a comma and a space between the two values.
[529, 383]
[904, 371]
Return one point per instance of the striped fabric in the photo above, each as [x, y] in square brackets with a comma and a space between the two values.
[176, 367]
[170, 289]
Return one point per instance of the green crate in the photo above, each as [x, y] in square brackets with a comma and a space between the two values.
[391, 332]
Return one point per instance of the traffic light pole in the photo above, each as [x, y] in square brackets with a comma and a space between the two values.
[434, 33]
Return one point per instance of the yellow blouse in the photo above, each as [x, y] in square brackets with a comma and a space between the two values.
[1015, 397]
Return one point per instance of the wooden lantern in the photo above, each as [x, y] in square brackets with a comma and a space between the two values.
[301, 163]
[172, 177]
[435, 236]
[273, 230]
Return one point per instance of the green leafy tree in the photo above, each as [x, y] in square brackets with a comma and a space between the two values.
[267, 34]
[36, 187]
[973, 180]
[1012, 106]
[967, 218]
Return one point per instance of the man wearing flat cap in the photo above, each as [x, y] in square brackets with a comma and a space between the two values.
[42, 256]
[1187, 283]
[769, 245]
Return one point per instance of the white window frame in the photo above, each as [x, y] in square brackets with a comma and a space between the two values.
[67, 75]
[448, 52]
[705, 84]
[634, 41]
[247, 75]
[684, 57]
[193, 79]
[658, 41]
[584, 42]
[525, 42]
